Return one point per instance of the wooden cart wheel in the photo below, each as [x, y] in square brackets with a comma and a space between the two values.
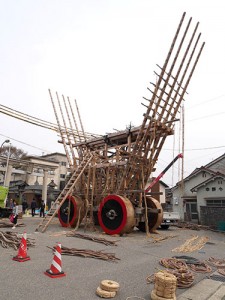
[154, 219]
[109, 285]
[71, 211]
[116, 215]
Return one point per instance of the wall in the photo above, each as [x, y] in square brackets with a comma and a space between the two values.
[212, 216]
[189, 183]
[203, 193]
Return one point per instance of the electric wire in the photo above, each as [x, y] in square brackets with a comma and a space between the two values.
[8, 137]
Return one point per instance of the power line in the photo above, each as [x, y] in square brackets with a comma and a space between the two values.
[196, 149]
[212, 99]
[25, 143]
[208, 148]
[208, 116]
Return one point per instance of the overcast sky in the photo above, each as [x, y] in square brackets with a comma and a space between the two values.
[103, 53]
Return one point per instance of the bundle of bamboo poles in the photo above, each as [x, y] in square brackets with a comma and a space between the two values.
[92, 238]
[192, 244]
[88, 253]
[10, 239]
[6, 223]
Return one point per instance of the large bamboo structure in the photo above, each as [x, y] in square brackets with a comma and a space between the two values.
[120, 164]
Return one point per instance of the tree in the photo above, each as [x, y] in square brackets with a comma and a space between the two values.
[15, 152]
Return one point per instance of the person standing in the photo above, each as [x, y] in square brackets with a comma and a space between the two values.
[11, 203]
[24, 205]
[42, 209]
[15, 214]
[33, 207]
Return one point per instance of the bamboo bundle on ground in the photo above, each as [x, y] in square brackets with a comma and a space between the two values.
[6, 223]
[192, 244]
[11, 239]
[88, 253]
[92, 238]
[163, 238]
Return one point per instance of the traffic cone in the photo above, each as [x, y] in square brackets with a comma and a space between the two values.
[22, 253]
[55, 270]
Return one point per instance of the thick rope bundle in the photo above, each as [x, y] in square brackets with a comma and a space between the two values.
[107, 289]
[164, 287]
[185, 277]
[216, 262]
[201, 267]
[173, 263]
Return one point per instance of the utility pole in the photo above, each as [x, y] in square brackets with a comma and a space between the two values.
[7, 165]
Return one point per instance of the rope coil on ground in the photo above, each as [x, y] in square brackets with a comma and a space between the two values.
[173, 263]
[221, 271]
[105, 294]
[202, 267]
[107, 289]
[155, 297]
[109, 285]
[165, 286]
[219, 263]
[185, 277]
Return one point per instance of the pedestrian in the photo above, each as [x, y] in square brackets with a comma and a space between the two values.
[15, 214]
[11, 204]
[42, 209]
[7, 202]
[33, 207]
[24, 205]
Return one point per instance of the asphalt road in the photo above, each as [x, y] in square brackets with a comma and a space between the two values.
[139, 257]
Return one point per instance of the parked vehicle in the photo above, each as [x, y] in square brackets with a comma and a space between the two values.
[5, 212]
[169, 218]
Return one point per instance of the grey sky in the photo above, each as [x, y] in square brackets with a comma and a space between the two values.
[103, 53]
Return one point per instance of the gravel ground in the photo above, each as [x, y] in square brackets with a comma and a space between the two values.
[139, 258]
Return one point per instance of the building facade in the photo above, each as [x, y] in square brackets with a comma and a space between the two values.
[38, 177]
[200, 197]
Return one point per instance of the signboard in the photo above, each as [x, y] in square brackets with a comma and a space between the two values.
[3, 195]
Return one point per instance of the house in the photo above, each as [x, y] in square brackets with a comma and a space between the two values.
[200, 197]
[159, 191]
[39, 177]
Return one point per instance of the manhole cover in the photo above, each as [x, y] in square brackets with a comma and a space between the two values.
[217, 278]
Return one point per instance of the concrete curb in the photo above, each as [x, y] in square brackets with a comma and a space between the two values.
[207, 289]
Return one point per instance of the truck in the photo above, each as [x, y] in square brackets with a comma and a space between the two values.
[169, 218]
[5, 212]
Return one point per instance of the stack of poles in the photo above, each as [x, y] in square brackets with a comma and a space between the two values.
[148, 148]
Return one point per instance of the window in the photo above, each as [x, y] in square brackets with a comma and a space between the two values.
[213, 189]
[217, 203]
[221, 189]
[207, 189]
[203, 174]
[63, 176]
[38, 170]
[63, 163]
[220, 182]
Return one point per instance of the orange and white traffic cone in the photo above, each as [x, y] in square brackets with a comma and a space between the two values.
[55, 270]
[22, 253]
